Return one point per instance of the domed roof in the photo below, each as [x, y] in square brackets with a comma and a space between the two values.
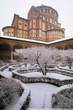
[47, 7]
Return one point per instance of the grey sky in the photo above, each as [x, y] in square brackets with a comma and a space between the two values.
[21, 7]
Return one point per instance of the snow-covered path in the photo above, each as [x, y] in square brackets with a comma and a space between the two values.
[41, 95]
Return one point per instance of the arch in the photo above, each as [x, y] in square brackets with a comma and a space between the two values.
[18, 46]
[4, 46]
[5, 51]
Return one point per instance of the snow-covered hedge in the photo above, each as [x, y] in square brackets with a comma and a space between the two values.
[37, 79]
[4, 67]
[10, 90]
[26, 103]
[63, 99]
[42, 79]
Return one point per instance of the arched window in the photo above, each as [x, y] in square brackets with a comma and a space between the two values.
[51, 20]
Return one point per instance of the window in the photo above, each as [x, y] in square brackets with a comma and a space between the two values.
[19, 33]
[51, 20]
[44, 18]
[55, 22]
[34, 33]
[34, 23]
[30, 24]
[52, 27]
[48, 10]
[40, 16]
[48, 27]
[43, 26]
[25, 25]
[20, 24]
[40, 23]
[55, 14]
[40, 33]
[47, 19]
[41, 10]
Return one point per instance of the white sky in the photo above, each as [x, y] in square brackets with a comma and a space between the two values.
[21, 7]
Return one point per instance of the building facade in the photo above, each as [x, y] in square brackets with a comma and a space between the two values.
[42, 24]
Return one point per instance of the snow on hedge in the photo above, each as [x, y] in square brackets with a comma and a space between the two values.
[50, 75]
[63, 88]
[6, 73]
[21, 100]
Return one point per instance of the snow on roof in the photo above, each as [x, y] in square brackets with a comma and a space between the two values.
[60, 40]
[36, 41]
[22, 39]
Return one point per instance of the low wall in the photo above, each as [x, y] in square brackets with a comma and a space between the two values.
[43, 79]
[37, 79]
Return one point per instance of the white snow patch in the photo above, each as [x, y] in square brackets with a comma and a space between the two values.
[6, 73]
[50, 75]
[67, 68]
[58, 76]
[41, 95]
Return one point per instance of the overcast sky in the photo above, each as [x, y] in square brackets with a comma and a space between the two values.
[21, 7]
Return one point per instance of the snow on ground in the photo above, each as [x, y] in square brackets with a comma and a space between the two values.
[58, 76]
[41, 95]
[50, 75]
[6, 73]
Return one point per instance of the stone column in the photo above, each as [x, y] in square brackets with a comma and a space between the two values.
[11, 53]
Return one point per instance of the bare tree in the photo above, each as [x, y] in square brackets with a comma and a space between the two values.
[43, 65]
[42, 56]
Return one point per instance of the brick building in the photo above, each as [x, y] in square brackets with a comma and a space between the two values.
[41, 24]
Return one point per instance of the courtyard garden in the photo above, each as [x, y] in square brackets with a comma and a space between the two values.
[42, 79]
